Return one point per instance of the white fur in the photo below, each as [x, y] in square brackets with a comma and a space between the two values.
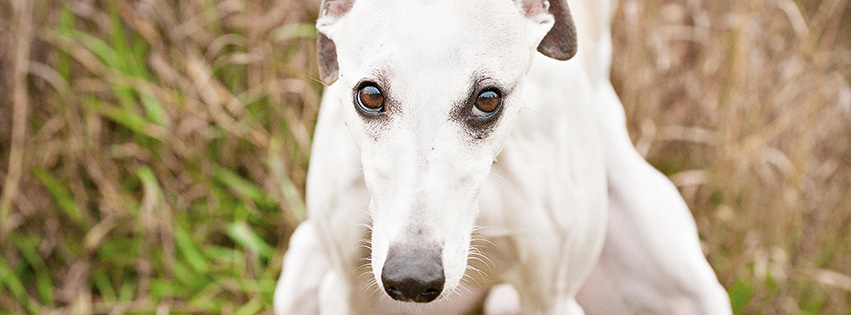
[541, 208]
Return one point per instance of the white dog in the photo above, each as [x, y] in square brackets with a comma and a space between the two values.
[448, 144]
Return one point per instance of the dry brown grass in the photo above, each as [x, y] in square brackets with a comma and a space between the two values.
[158, 155]
[747, 106]
[153, 152]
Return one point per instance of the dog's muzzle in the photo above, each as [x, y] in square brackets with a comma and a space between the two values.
[413, 275]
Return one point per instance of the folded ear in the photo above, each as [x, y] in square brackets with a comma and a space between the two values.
[329, 70]
[329, 14]
[560, 41]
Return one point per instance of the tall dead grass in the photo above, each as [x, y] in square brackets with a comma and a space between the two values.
[154, 152]
[747, 106]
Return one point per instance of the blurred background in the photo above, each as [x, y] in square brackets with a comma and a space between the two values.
[153, 152]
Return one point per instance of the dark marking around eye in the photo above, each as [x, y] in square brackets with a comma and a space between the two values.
[481, 110]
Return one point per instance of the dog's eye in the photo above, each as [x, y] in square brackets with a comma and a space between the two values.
[370, 99]
[487, 103]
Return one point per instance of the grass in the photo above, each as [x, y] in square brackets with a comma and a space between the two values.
[165, 151]
[747, 106]
[153, 153]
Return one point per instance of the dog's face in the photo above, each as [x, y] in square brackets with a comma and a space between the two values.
[431, 90]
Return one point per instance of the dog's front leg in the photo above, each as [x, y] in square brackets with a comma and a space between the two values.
[552, 270]
[308, 283]
[341, 226]
[305, 264]
[569, 306]
[334, 295]
[345, 287]
[547, 294]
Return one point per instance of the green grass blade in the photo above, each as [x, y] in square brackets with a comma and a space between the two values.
[60, 194]
[252, 307]
[291, 31]
[190, 250]
[28, 247]
[10, 280]
[242, 186]
[242, 234]
[127, 118]
[103, 285]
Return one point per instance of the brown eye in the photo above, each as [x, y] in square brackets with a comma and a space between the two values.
[486, 103]
[370, 98]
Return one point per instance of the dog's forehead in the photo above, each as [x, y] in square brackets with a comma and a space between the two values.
[431, 37]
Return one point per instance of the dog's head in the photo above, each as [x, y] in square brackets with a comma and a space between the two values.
[431, 89]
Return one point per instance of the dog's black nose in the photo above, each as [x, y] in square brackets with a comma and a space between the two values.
[413, 276]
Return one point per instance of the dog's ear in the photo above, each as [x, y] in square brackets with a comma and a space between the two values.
[329, 13]
[329, 70]
[560, 41]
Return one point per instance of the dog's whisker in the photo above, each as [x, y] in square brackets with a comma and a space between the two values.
[505, 180]
[367, 267]
[375, 293]
[368, 284]
[367, 226]
[468, 277]
[462, 289]
[449, 294]
[366, 275]
[484, 240]
[454, 292]
[368, 217]
[482, 258]
[477, 270]
[443, 300]
[376, 289]
[478, 255]
[479, 259]
[478, 247]
[532, 110]
[367, 213]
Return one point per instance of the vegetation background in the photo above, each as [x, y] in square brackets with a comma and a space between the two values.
[153, 152]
